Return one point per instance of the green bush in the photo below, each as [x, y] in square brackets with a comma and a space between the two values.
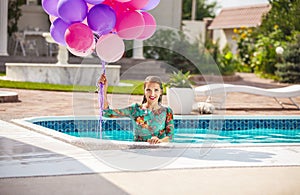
[265, 57]
[288, 70]
[226, 63]
[173, 48]
[13, 15]
[245, 46]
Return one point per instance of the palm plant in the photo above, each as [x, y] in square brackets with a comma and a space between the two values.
[179, 80]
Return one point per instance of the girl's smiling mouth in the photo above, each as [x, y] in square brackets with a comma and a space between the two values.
[152, 97]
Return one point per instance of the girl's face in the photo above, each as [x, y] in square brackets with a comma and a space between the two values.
[152, 92]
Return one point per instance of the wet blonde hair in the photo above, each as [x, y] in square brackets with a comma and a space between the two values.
[153, 79]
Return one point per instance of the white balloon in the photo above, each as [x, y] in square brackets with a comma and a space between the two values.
[110, 48]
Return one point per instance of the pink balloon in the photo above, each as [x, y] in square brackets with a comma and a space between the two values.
[110, 48]
[117, 6]
[130, 25]
[151, 5]
[79, 37]
[85, 53]
[150, 26]
[123, 1]
[137, 4]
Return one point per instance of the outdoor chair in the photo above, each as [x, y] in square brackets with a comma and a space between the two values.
[52, 49]
[282, 92]
[19, 42]
[25, 45]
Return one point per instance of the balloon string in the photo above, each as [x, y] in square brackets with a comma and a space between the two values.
[101, 101]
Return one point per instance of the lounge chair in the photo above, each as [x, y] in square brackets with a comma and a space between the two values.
[283, 92]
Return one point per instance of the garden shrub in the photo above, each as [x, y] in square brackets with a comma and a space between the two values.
[177, 51]
[245, 47]
[288, 70]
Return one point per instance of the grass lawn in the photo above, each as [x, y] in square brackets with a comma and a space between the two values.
[136, 87]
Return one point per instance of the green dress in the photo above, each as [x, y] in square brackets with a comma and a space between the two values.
[147, 123]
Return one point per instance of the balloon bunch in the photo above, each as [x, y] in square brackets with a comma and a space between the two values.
[88, 25]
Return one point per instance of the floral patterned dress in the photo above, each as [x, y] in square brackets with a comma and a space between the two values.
[147, 123]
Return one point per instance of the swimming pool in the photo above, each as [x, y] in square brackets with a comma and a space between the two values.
[188, 129]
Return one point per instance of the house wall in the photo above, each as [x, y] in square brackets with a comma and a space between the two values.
[219, 36]
[33, 16]
[168, 13]
[225, 38]
[231, 43]
[194, 30]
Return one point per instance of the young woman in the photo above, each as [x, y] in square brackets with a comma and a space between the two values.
[153, 122]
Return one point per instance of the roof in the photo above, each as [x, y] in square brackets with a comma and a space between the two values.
[235, 17]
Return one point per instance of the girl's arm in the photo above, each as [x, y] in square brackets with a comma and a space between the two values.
[103, 81]
[169, 125]
[113, 113]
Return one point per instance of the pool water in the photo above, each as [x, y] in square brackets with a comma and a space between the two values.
[229, 130]
[202, 135]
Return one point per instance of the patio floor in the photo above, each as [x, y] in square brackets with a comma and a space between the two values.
[32, 163]
[45, 103]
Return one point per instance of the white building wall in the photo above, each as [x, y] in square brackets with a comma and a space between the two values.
[3, 29]
[219, 35]
[231, 43]
[225, 37]
[194, 30]
[33, 16]
[168, 13]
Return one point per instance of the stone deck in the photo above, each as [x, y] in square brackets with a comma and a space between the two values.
[33, 163]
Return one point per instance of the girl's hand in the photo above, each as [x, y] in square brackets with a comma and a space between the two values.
[154, 140]
[102, 80]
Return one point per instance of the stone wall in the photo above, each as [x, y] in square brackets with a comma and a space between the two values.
[67, 74]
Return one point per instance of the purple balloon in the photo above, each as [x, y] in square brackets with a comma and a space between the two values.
[50, 7]
[101, 19]
[72, 11]
[94, 2]
[151, 5]
[58, 29]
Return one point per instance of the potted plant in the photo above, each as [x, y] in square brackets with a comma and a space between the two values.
[180, 94]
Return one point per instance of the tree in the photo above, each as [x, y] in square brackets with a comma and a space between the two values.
[203, 9]
[285, 15]
[288, 70]
[14, 14]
